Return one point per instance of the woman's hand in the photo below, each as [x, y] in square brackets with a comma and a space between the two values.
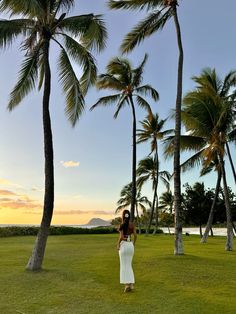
[118, 247]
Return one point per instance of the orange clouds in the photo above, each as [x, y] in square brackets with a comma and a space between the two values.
[17, 201]
[6, 192]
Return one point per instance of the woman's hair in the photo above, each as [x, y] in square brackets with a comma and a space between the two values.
[125, 221]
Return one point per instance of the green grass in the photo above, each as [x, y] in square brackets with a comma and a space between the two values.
[81, 275]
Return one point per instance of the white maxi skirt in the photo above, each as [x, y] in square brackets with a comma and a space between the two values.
[126, 254]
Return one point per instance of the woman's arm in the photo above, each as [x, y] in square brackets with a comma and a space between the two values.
[121, 237]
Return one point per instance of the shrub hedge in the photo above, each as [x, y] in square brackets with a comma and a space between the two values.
[57, 230]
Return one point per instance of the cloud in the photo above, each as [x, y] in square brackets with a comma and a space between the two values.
[7, 192]
[9, 183]
[37, 189]
[69, 164]
[81, 212]
[17, 201]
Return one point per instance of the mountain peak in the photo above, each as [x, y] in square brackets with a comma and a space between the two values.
[98, 222]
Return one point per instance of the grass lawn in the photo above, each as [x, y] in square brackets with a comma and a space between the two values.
[81, 275]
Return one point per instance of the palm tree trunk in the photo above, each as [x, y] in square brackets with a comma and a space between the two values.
[178, 248]
[36, 259]
[231, 161]
[152, 211]
[200, 229]
[229, 241]
[138, 219]
[133, 200]
[211, 214]
[156, 196]
[156, 216]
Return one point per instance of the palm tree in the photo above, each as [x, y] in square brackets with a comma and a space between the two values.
[166, 203]
[127, 81]
[208, 119]
[147, 170]
[126, 200]
[44, 23]
[213, 205]
[160, 12]
[152, 130]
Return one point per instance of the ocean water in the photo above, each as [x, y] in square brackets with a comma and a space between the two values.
[216, 231]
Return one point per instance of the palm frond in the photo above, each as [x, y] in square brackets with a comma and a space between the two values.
[229, 81]
[187, 143]
[120, 105]
[148, 90]
[134, 4]
[141, 179]
[137, 73]
[10, 29]
[90, 28]
[107, 81]
[121, 207]
[193, 161]
[107, 101]
[84, 58]
[95, 36]
[26, 8]
[143, 103]
[62, 5]
[71, 87]
[153, 22]
[27, 77]
[121, 69]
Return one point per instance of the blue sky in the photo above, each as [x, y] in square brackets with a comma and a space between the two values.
[99, 144]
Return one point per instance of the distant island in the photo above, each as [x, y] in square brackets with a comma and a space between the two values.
[98, 222]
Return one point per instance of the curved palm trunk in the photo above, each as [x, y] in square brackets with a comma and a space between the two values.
[36, 259]
[231, 161]
[133, 200]
[229, 241]
[211, 214]
[178, 248]
[152, 211]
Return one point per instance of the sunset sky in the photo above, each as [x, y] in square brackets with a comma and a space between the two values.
[93, 160]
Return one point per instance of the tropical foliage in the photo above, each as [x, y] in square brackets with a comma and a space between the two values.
[152, 130]
[42, 23]
[208, 117]
[127, 81]
[159, 12]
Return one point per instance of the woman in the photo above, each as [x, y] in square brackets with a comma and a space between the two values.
[126, 251]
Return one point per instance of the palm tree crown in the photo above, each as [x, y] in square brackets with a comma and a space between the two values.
[46, 21]
[126, 199]
[152, 130]
[121, 77]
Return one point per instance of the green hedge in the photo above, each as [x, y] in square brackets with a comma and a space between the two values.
[59, 230]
